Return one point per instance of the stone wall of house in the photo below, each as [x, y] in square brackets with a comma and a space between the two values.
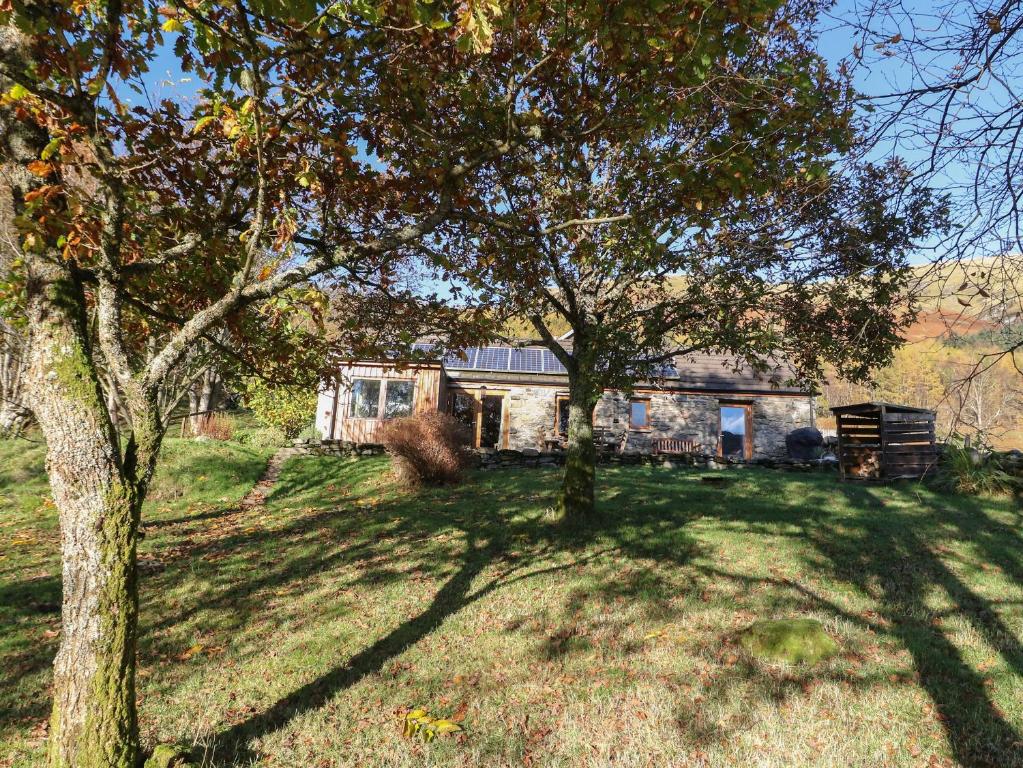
[678, 417]
[773, 419]
[691, 417]
[530, 415]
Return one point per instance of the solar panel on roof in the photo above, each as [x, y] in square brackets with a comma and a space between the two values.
[551, 364]
[492, 359]
[526, 360]
[665, 371]
[463, 359]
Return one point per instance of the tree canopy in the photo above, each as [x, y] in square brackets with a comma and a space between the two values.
[702, 197]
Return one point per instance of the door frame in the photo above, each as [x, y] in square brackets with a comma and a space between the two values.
[477, 393]
[747, 437]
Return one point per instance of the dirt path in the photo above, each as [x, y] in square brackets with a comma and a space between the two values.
[263, 487]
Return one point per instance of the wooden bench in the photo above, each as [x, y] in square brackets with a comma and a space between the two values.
[668, 446]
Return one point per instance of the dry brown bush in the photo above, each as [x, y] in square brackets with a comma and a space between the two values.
[216, 426]
[428, 449]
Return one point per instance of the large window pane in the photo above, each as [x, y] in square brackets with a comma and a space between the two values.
[398, 401]
[490, 426]
[639, 414]
[463, 408]
[562, 415]
[733, 431]
[365, 399]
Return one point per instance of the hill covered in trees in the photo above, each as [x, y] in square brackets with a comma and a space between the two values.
[957, 356]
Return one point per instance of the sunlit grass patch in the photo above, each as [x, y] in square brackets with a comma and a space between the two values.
[303, 633]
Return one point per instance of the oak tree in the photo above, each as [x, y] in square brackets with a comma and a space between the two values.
[690, 195]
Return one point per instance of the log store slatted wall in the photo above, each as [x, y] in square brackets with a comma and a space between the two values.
[885, 441]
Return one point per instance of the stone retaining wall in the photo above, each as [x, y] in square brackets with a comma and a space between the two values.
[489, 458]
[342, 448]
[530, 458]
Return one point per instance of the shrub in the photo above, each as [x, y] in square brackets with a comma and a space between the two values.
[215, 426]
[311, 432]
[263, 438]
[427, 449]
[966, 471]
[289, 409]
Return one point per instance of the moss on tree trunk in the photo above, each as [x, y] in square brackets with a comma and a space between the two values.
[577, 489]
[94, 722]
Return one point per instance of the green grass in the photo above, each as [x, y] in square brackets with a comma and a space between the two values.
[194, 480]
[300, 634]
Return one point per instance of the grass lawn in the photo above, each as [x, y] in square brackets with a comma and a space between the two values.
[299, 634]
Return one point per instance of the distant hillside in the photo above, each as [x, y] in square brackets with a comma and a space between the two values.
[956, 300]
[986, 289]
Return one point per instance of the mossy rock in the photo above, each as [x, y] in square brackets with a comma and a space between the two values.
[789, 641]
[168, 756]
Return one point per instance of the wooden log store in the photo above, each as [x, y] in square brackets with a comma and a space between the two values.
[884, 441]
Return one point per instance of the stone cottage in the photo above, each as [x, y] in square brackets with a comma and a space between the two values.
[517, 397]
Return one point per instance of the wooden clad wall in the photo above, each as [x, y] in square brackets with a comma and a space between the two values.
[910, 448]
[427, 397]
[882, 444]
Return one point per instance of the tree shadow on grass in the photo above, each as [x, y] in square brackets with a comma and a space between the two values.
[890, 557]
[504, 543]
[492, 528]
[895, 562]
[456, 594]
[31, 603]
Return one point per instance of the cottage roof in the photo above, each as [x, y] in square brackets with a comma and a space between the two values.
[696, 371]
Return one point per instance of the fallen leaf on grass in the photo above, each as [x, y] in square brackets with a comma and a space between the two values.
[189, 653]
[418, 722]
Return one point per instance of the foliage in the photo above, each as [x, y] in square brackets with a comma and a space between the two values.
[443, 582]
[428, 448]
[970, 472]
[286, 408]
[263, 438]
[311, 432]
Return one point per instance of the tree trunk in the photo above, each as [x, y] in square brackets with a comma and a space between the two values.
[577, 494]
[14, 414]
[93, 723]
[14, 418]
[94, 720]
[204, 398]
